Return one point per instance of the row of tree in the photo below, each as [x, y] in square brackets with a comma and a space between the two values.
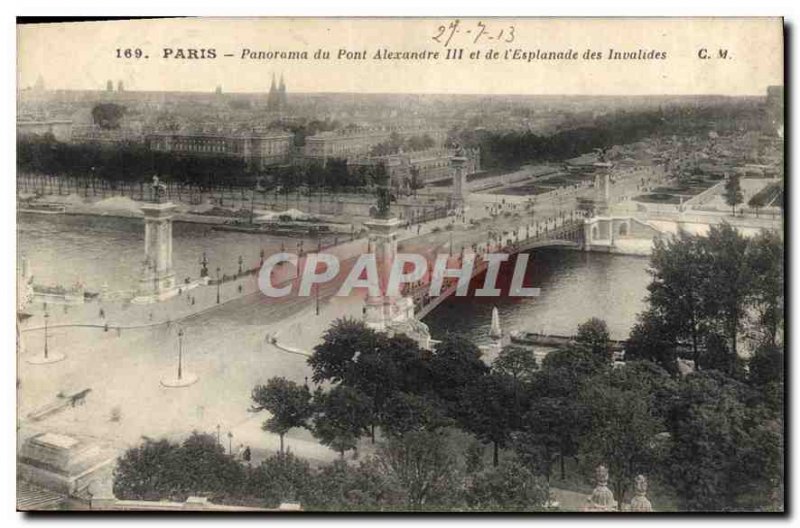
[127, 162]
[514, 148]
[396, 143]
[415, 471]
[335, 175]
[135, 162]
[708, 293]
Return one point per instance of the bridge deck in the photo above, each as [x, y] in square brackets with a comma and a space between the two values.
[568, 234]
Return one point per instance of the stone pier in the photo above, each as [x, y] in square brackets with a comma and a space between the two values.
[460, 191]
[390, 313]
[157, 282]
[380, 310]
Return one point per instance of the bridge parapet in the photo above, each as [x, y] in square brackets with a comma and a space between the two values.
[568, 233]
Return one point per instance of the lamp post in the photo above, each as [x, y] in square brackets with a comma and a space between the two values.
[218, 437]
[218, 284]
[46, 317]
[184, 378]
[180, 353]
[230, 443]
[48, 356]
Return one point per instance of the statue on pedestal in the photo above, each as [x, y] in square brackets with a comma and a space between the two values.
[381, 209]
[640, 503]
[159, 190]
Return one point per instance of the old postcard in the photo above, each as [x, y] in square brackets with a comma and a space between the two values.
[401, 265]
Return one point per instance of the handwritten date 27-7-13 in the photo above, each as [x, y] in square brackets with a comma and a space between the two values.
[476, 33]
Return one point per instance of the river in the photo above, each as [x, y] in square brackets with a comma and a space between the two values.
[108, 250]
[574, 286]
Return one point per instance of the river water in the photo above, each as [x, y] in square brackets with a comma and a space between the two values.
[108, 250]
[574, 286]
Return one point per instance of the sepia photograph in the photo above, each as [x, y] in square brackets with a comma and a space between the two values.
[360, 265]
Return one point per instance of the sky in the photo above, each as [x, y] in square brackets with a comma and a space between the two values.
[83, 55]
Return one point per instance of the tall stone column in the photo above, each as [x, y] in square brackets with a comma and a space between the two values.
[158, 278]
[602, 185]
[459, 165]
[381, 310]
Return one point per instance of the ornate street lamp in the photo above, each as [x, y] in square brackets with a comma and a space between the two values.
[218, 284]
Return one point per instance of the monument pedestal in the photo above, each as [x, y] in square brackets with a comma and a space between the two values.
[387, 313]
[460, 192]
[157, 282]
[63, 463]
[379, 310]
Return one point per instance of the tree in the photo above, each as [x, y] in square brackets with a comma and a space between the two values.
[552, 427]
[564, 371]
[394, 365]
[288, 402]
[511, 486]
[406, 412]
[146, 472]
[160, 470]
[456, 363]
[681, 269]
[204, 466]
[423, 463]
[757, 201]
[340, 486]
[517, 362]
[373, 363]
[766, 365]
[651, 339]
[341, 416]
[730, 280]
[723, 447]
[716, 355]
[107, 115]
[766, 374]
[764, 260]
[593, 335]
[344, 340]
[283, 477]
[487, 409]
[733, 192]
[621, 430]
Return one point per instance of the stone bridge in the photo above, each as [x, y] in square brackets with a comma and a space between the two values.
[569, 234]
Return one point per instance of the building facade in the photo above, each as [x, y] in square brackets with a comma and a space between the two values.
[259, 150]
[356, 143]
[424, 167]
[342, 144]
[61, 130]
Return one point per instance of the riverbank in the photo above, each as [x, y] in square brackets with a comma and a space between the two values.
[124, 207]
